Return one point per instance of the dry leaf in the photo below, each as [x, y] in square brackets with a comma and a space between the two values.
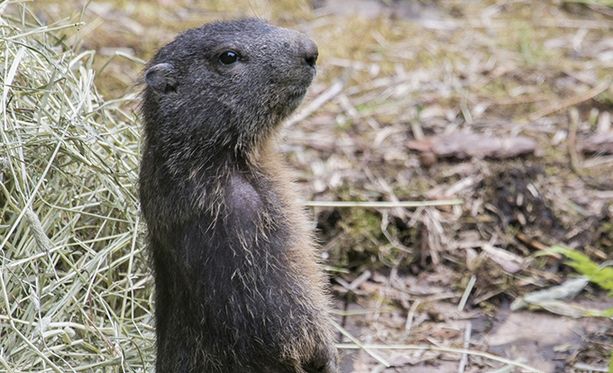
[543, 298]
[508, 261]
[601, 143]
[465, 144]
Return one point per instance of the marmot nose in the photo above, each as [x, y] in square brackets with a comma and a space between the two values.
[310, 52]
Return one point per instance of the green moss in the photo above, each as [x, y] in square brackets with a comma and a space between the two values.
[364, 223]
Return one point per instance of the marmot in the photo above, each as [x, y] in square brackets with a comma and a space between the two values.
[238, 286]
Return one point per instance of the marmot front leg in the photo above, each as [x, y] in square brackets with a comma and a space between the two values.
[323, 361]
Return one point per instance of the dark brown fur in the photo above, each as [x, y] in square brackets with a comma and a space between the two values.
[238, 288]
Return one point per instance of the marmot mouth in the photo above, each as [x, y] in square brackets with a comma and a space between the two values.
[296, 95]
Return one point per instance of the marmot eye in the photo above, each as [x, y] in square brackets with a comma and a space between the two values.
[228, 57]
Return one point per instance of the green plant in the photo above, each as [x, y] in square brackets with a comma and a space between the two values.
[598, 274]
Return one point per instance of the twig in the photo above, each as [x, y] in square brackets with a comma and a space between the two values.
[383, 204]
[487, 355]
[410, 316]
[545, 23]
[605, 194]
[359, 280]
[572, 141]
[318, 102]
[464, 358]
[359, 345]
[591, 368]
[467, 291]
[572, 101]
[45, 29]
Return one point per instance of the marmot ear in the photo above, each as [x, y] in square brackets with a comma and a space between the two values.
[161, 77]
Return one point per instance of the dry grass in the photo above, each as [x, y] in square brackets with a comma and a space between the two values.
[74, 288]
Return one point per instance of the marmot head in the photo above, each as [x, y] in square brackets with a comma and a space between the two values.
[226, 85]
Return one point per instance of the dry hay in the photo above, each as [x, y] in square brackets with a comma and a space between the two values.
[75, 294]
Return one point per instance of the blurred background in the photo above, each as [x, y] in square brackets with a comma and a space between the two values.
[496, 115]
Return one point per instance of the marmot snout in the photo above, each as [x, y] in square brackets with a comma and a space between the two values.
[238, 287]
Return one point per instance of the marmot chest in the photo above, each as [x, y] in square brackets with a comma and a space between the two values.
[253, 208]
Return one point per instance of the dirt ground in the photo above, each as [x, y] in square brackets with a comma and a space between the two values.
[504, 105]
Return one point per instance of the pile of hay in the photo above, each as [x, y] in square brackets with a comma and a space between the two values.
[75, 290]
